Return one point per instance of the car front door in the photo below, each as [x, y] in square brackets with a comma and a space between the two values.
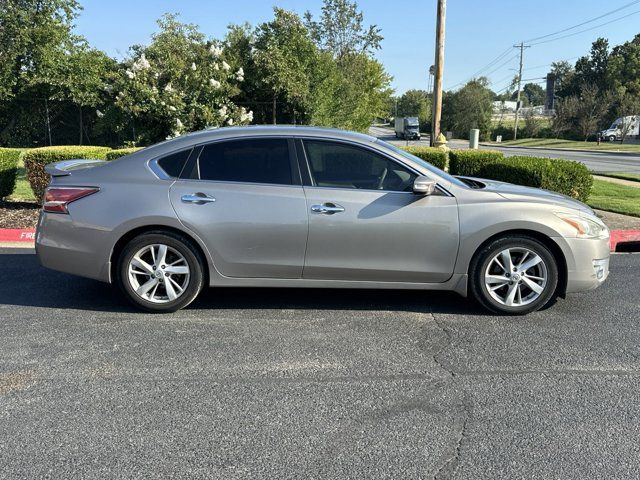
[365, 222]
[244, 198]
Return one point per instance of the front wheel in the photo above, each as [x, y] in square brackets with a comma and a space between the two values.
[612, 138]
[160, 271]
[514, 275]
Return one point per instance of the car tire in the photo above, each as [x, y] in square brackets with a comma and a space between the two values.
[514, 289]
[181, 271]
[611, 138]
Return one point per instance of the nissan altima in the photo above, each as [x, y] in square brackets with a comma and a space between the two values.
[311, 207]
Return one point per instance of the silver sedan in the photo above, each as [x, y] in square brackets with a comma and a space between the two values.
[311, 207]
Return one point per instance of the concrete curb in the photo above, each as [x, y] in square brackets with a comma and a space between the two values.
[623, 236]
[578, 150]
[17, 235]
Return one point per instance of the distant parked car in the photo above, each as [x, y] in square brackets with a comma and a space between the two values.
[407, 127]
[311, 207]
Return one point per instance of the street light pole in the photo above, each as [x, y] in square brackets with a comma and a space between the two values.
[439, 70]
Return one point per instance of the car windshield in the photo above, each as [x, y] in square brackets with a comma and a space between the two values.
[427, 165]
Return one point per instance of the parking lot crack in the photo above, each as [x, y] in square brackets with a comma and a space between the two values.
[450, 465]
[448, 340]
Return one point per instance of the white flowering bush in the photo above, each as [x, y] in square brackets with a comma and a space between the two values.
[179, 83]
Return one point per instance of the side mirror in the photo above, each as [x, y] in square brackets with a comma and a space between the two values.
[423, 185]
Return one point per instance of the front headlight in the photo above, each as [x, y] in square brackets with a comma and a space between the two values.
[586, 226]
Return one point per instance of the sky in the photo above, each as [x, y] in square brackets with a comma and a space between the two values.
[477, 32]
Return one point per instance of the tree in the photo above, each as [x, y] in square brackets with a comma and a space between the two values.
[285, 57]
[351, 95]
[415, 103]
[591, 109]
[534, 94]
[340, 29]
[470, 107]
[591, 69]
[83, 79]
[623, 68]
[565, 113]
[532, 124]
[181, 82]
[35, 38]
[563, 72]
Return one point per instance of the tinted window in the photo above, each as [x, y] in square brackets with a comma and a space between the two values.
[172, 164]
[345, 166]
[255, 161]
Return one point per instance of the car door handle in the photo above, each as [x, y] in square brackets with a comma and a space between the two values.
[197, 198]
[327, 208]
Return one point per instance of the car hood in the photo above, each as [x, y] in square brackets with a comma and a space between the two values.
[520, 193]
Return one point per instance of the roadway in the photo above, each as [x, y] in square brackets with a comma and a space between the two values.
[595, 161]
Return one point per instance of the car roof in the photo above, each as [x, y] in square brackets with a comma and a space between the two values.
[261, 130]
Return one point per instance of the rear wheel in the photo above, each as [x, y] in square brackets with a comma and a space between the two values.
[160, 271]
[514, 275]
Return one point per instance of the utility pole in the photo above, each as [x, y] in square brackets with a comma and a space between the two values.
[438, 70]
[522, 46]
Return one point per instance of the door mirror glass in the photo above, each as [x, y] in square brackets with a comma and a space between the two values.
[423, 185]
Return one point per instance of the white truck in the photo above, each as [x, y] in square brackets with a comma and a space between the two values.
[621, 128]
[407, 127]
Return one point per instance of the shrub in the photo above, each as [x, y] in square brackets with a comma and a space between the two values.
[37, 158]
[8, 170]
[121, 152]
[562, 176]
[468, 162]
[435, 156]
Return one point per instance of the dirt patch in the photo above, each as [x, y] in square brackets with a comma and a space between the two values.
[16, 381]
[19, 214]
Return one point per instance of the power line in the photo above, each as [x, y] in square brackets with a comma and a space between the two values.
[588, 29]
[489, 65]
[501, 65]
[635, 2]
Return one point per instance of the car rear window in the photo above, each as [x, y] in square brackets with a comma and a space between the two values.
[173, 164]
[247, 161]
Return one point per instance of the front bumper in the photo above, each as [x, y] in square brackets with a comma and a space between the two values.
[587, 262]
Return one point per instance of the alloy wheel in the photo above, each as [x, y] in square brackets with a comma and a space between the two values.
[515, 277]
[158, 273]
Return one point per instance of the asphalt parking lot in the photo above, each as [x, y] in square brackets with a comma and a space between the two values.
[315, 383]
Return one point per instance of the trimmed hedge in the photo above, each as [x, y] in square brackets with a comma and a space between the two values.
[121, 152]
[435, 156]
[8, 170]
[562, 176]
[37, 158]
[469, 162]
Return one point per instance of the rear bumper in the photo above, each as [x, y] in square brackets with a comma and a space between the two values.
[68, 247]
[587, 262]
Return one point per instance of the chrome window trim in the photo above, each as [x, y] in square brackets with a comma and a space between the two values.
[374, 150]
[158, 171]
[231, 139]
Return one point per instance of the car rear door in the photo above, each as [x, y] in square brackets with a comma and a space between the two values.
[365, 223]
[244, 198]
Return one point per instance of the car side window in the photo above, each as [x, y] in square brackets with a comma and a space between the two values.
[173, 164]
[340, 165]
[249, 161]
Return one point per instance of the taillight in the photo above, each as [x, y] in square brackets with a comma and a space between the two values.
[56, 199]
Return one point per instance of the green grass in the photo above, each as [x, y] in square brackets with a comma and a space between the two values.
[23, 189]
[615, 198]
[560, 143]
[634, 177]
